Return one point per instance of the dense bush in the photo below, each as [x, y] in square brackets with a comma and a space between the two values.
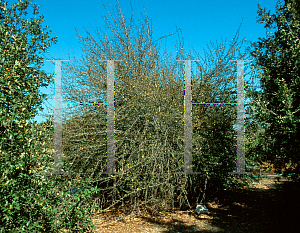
[149, 118]
[276, 105]
[30, 201]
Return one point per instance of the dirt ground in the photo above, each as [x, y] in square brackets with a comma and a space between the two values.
[266, 206]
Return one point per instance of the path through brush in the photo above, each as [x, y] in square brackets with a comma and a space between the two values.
[266, 206]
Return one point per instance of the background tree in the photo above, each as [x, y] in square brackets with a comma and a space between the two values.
[149, 114]
[276, 107]
[29, 200]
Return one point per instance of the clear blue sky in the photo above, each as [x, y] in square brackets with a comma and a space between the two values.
[201, 21]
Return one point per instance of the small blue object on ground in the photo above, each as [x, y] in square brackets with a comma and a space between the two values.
[73, 191]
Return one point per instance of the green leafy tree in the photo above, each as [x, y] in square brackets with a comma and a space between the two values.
[29, 200]
[276, 108]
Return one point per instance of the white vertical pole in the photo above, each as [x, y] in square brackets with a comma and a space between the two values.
[188, 139]
[240, 164]
[110, 118]
[240, 150]
[188, 147]
[57, 120]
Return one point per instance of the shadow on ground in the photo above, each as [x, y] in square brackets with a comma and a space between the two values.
[272, 209]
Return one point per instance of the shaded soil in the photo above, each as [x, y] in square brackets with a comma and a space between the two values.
[266, 206]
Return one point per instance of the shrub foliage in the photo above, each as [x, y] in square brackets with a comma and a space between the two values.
[276, 107]
[30, 201]
[149, 117]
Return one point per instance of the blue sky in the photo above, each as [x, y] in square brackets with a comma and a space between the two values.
[201, 21]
